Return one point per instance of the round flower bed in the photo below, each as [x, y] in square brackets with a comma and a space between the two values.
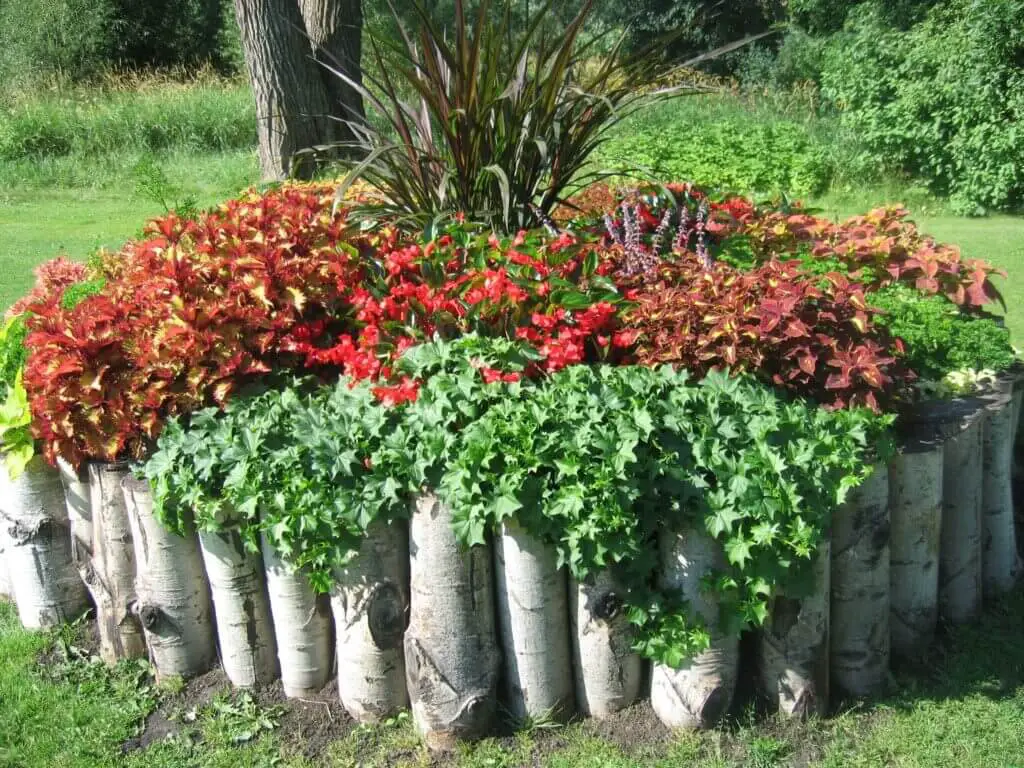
[522, 466]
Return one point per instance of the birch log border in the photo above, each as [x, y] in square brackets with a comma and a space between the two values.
[533, 626]
[112, 582]
[608, 674]
[793, 647]
[45, 583]
[1001, 566]
[699, 693]
[302, 628]
[915, 503]
[245, 630]
[79, 505]
[960, 567]
[370, 602]
[174, 602]
[6, 586]
[451, 647]
[859, 613]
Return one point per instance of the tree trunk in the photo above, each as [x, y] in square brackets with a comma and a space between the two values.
[113, 566]
[533, 624]
[335, 30]
[173, 596]
[859, 614]
[293, 105]
[34, 524]
[608, 673]
[700, 691]
[302, 628]
[452, 659]
[794, 647]
[371, 610]
[915, 504]
[242, 609]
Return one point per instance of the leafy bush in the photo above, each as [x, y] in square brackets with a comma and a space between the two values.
[938, 338]
[593, 460]
[729, 153]
[943, 100]
[72, 40]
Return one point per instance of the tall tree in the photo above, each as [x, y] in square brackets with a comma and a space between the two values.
[301, 107]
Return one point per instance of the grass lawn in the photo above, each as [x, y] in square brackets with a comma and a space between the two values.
[964, 707]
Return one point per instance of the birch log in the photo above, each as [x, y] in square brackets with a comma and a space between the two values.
[451, 648]
[960, 583]
[79, 506]
[915, 503]
[794, 647]
[113, 566]
[302, 628]
[699, 693]
[533, 625]
[244, 628]
[173, 596]
[1001, 565]
[45, 583]
[608, 674]
[6, 587]
[371, 611]
[859, 611]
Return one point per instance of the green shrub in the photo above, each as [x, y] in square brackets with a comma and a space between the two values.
[939, 338]
[739, 153]
[943, 100]
[74, 40]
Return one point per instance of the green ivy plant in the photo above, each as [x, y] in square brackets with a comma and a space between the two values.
[594, 460]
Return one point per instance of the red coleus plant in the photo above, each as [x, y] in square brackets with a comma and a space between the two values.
[196, 309]
[879, 248]
[809, 335]
[52, 277]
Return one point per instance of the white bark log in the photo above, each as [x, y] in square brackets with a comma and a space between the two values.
[859, 613]
[915, 504]
[1000, 559]
[45, 583]
[173, 596]
[244, 628]
[79, 504]
[451, 648]
[960, 592]
[699, 693]
[608, 674]
[302, 628]
[113, 566]
[533, 625]
[371, 610]
[6, 587]
[794, 647]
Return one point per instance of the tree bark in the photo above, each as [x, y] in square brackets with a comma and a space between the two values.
[294, 106]
[335, 33]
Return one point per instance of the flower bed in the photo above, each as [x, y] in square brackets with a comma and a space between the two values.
[654, 411]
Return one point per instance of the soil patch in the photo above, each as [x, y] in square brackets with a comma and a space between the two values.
[308, 726]
[169, 718]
